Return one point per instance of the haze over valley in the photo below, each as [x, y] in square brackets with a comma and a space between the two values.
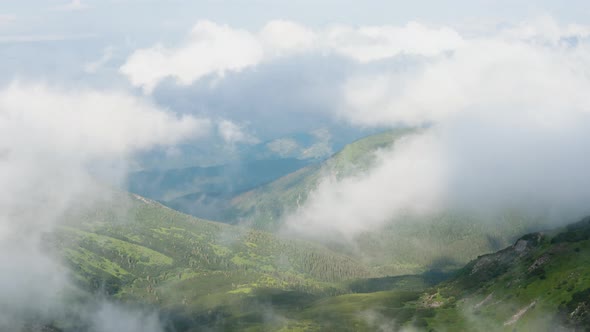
[294, 166]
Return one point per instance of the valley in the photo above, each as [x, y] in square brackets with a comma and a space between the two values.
[294, 166]
[410, 274]
[206, 275]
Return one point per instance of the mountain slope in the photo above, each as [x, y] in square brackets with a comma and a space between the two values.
[143, 237]
[140, 251]
[207, 275]
[205, 192]
[263, 207]
[404, 245]
[540, 283]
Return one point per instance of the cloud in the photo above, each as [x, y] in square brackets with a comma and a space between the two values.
[54, 144]
[214, 49]
[545, 30]
[91, 123]
[232, 133]
[210, 49]
[284, 147]
[407, 181]
[371, 43]
[74, 5]
[508, 122]
[512, 78]
[281, 37]
[111, 317]
[94, 66]
[319, 147]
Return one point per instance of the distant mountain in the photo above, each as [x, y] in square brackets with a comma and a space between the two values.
[228, 180]
[206, 191]
[316, 144]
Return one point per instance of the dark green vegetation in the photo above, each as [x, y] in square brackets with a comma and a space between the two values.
[541, 283]
[405, 245]
[197, 271]
[207, 275]
[202, 274]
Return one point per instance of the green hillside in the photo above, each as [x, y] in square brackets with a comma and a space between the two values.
[263, 207]
[140, 251]
[540, 283]
[207, 275]
[406, 245]
[200, 274]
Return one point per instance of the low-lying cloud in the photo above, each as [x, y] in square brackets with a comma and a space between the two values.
[508, 120]
[232, 133]
[54, 143]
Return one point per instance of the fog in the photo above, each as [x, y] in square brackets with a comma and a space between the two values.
[503, 118]
[507, 120]
[56, 147]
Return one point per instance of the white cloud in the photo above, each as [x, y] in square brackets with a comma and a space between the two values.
[74, 5]
[210, 49]
[232, 133]
[506, 76]
[90, 123]
[545, 30]
[284, 147]
[370, 43]
[110, 317]
[509, 128]
[213, 49]
[284, 37]
[53, 144]
[408, 181]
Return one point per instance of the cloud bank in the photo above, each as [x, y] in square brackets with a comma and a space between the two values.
[74, 5]
[53, 145]
[508, 118]
[215, 49]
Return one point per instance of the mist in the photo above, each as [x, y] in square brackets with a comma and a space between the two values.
[62, 151]
[507, 119]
